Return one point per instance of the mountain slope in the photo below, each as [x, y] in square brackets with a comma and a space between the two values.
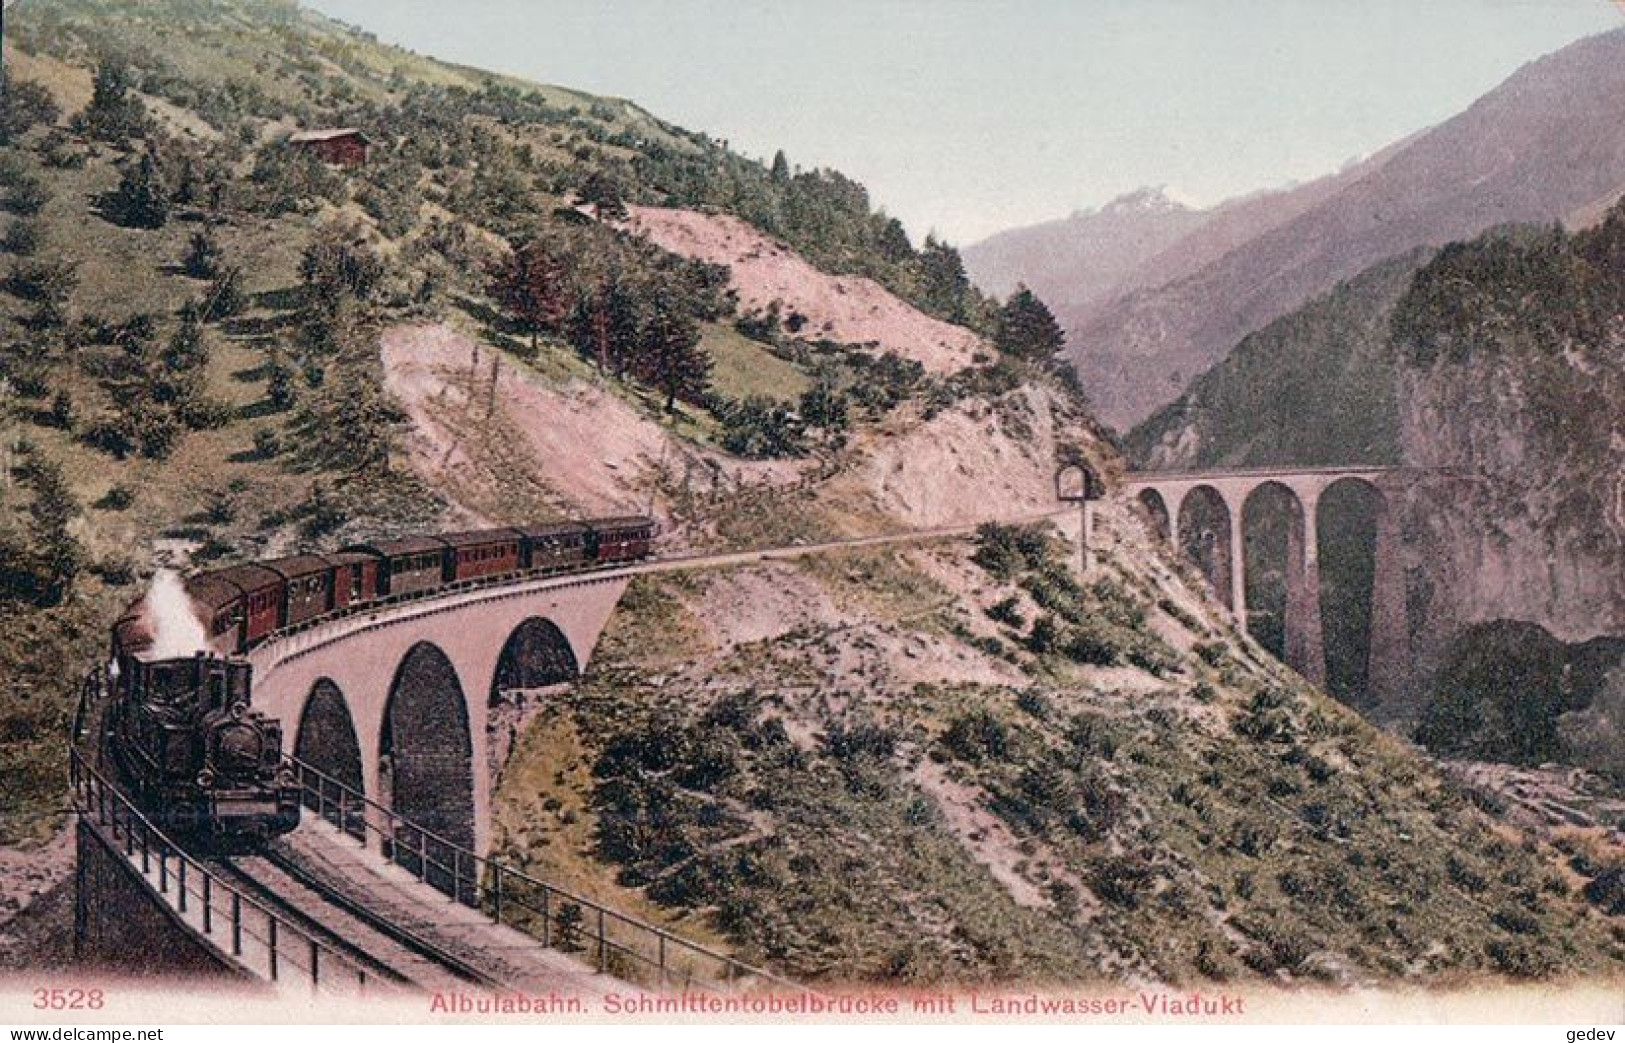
[1313, 387]
[1493, 363]
[1546, 144]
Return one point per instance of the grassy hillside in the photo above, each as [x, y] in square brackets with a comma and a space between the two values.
[960, 765]
[509, 150]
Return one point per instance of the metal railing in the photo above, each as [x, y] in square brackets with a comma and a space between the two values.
[257, 938]
[617, 944]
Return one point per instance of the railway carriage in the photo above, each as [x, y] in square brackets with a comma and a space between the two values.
[622, 539]
[220, 602]
[409, 566]
[478, 555]
[355, 578]
[562, 545]
[307, 587]
[262, 600]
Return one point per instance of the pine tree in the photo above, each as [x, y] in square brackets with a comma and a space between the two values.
[604, 194]
[23, 104]
[781, 168]
[202, 260]
[946, 286]
[531, 284]
[224, 297]
[52, 514]
[669, 356]
[823, 406]
[1027, 329]
[605, 323]
[113, 115]
[141, 199]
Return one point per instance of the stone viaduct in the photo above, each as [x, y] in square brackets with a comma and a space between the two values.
[1206, 514]
[395, 703]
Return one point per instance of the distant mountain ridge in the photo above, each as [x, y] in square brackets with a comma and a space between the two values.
[1084, 257]
[1547, 145]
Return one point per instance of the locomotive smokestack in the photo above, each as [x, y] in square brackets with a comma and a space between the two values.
[176, 629]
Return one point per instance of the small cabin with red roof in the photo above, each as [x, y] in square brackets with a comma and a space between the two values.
[341, 146]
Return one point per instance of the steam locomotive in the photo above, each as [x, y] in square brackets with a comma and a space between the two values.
[195, 754]
[197, 759]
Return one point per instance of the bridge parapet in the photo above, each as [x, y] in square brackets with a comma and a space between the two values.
[290, 645]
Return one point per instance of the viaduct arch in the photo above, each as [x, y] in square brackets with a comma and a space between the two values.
[396, 702]
[1210, 514]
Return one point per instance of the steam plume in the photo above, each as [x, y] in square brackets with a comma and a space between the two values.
[176, 629]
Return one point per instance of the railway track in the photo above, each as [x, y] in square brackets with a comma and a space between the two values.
[392, 957]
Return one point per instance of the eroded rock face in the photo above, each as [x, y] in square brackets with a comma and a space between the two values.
[1533, 525]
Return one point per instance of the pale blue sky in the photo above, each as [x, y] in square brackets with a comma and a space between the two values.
[970, 116]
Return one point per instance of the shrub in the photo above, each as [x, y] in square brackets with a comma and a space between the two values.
[1005, 551]
[118, 498]
[267, 444]
[203, 255]
[23, 105]
[860, 741]
[28, 196]
[1122, 880]
[1031, 701]
[1008, 613]
[1047, 786]
[25, 237]
[761, 428]
[976, 736]
[62, 414]
[1045, 636]
[1607, 891]
[110, 435]
[1518, 959]
[1092, 644]
[568, 927]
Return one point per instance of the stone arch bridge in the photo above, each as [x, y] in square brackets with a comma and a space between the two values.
[395, 703]
[1208, 515]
